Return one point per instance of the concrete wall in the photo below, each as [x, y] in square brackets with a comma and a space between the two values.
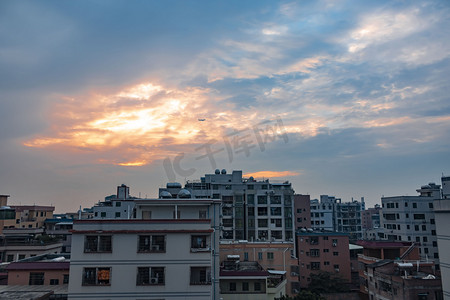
[21, 277]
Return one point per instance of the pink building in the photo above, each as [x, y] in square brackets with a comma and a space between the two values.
[302, 211]
[323, 251]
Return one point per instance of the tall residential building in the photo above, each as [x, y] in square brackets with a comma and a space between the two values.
[169, 251]
[302, 211]
[331, 214]
[254, 210]
[442, 215]
[370, 220]
[412, 218]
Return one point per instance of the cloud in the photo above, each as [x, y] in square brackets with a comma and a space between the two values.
[271, 174]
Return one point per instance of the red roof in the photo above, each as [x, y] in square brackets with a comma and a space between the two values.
[39, 265]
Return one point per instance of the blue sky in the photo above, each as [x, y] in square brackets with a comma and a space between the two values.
[99, 93]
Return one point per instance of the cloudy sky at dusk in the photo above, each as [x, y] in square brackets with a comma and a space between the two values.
[345, 98]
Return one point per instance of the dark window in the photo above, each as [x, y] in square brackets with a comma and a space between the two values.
[10, 257]
[103, 214]
[36, 278]
[257, 286]
[245, 286]
[96, 276]
[430, 205]
[315, 265]
[419, 216]
[150, 276]
[314, 252]
[100, 243]
[424, 227]
[117, 214]
[431, 221]
[200, 276]
[414, 205]
[232, 286]
[335, 253]
[118, 204]
[152, 243]
[269, 255]
[66, 279]
[54, 281]
[416, 227]
[433, 232]
[260, 255]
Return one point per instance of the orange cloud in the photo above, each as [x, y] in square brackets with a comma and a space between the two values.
[139, 124]
[271, 174]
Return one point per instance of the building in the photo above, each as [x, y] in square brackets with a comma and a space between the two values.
[119, 206]
[371, 217]
[331, 214]
[253, 210]
[277, 256]
[47, 269]
[248, 280]
[412, 218]
[390, 279]
[442, 216]
[302, 211]
[376, 251]
[323, 251]
[171, 249]
[60, 229]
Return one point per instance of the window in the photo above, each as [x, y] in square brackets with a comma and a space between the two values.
[36, 278]
[54, 281]
[424, 227]
[96, 276]
[407, 216]
[419, 216]
[257, 286]
[326, 263]
[118, 214]
[425, 239]
[314, 240]
[433, 232]
[245, 286]
[232, 286]
[336, 268]
[118, 204]
[245, 256]
[335, 253]
[260, 256]
[198, 242]
[315, 265]
[431, 221]
[262, 199]
[269, 255]
[21, 256]
[200, 276]
[414, 205]
[326, 250]
[314, 252]
[103, 214]
[430, 205]
[10, 257]
[150, 276]
[100, 243]
[262, 223]
[416, 227]
[152, 243]
[275, 211]
[66, 279]
[202, 214]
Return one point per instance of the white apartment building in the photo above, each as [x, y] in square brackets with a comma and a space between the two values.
[442, 215]
[251, 210]
[170, 251]
[331, 214]
[412, 218]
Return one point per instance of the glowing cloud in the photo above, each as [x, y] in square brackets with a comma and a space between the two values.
[272, 174]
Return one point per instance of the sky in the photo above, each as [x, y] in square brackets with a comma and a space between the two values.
[343, 98]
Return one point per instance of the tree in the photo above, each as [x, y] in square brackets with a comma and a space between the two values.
[303, 295]
[326, 282]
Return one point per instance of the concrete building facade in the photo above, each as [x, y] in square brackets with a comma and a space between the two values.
[412, 218]
[171, 250]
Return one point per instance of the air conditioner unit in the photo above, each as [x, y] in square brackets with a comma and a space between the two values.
[334, 244]
[153, 280]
